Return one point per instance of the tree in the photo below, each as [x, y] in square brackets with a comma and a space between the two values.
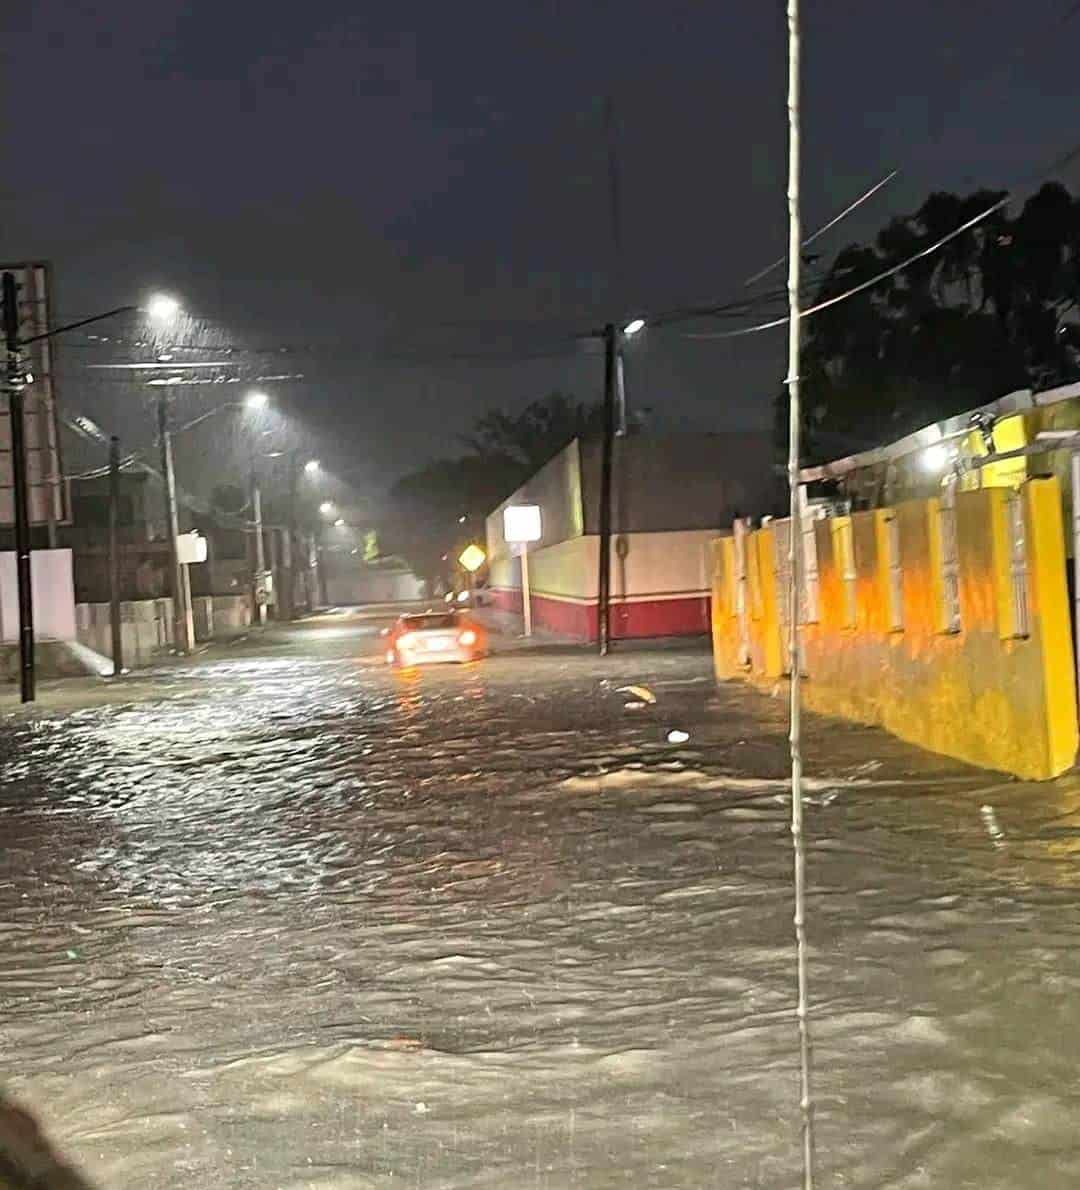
[994, 309]
[537, 433]
[437, 509]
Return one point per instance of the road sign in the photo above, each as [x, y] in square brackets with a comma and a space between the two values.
[521, 523]
[46, 492]
[472, 557]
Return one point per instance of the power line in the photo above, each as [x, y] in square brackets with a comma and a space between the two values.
[828, 226]
[882, 276]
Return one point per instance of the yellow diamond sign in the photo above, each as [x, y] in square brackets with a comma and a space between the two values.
[472, 557]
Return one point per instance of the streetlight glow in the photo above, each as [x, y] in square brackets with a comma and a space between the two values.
[312, 466]
[327, 508]
[339, 523]
[633, 326]
[162, 308]
[935, 459]
[256, 400]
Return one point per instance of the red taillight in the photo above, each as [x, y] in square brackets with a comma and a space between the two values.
[467, 638]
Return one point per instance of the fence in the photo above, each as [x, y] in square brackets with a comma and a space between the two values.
[945, 621]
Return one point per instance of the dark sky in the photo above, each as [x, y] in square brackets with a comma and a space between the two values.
[350, 175]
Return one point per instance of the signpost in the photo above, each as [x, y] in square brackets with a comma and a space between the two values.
[522, 524]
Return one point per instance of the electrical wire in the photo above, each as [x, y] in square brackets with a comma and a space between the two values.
[855, 289]
[826, 227]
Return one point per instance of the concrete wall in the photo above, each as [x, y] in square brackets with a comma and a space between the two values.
[880, 646]
[53, 594]
[145, 629]
[146, 625]
[659, 585]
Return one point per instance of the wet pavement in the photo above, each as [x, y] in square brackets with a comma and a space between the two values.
[279, 917]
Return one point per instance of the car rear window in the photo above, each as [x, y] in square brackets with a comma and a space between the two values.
[419, 623]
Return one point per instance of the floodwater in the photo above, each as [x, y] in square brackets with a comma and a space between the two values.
[285, 919]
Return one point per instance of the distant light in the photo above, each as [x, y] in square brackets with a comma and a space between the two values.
[312, 466]
[633, 326]
[934, 459]
[28, 378]
[339, 522]
[463, 597]
[675, 736]
[462, 519]
[256, 400]
[165, 359]
[162, 308]
[449, 597]
[326, 507]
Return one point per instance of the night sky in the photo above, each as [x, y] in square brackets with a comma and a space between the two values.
[346, 177]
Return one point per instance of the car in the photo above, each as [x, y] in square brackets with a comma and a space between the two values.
[426, 638]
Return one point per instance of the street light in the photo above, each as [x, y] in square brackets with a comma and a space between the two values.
[312, 466]
[633, 326]
[162, 307]
[327, 508]
[339, 523]
[256, 400]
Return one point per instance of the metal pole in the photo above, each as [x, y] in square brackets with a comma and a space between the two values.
[290, 543]
[182, 641]
[259, 586]
[19, 486]
[526, 594]
[114, 557]
[603, 593]
[794, 579]
[1074, 464]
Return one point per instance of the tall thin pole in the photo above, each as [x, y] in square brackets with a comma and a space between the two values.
[19, 487]
[526, 593]
[259, 585]
[1074, 469]
[114, 557]
[291, 546]
[794, 568]
[603, 586]
[181, 641]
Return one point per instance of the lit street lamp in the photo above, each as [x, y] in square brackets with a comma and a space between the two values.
[159, 308]
[327, 508]
[312, 466]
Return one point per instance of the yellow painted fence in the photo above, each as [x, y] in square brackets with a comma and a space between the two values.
[945, 621]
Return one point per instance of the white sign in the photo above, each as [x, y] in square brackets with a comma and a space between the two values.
[521, 523]
[190, 547]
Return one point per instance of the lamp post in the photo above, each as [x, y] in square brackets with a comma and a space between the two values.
[15, 381]
[183, 617]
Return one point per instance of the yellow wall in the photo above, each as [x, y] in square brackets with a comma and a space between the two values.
[980, 694]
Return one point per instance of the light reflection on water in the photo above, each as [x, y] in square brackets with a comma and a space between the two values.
[307, 921]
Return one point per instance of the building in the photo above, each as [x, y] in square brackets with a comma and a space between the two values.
[670, 494]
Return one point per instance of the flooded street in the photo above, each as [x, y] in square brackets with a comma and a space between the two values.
[282, 918]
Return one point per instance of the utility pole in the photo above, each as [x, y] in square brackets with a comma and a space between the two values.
[259, 585]
[603, 592]
[114, 557]
[183, 634]
[290, 545]
[19, 487]
[794, 579]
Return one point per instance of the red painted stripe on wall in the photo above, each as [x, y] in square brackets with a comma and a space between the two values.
[687, 616]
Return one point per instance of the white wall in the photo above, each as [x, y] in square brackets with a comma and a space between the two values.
[54, 596]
